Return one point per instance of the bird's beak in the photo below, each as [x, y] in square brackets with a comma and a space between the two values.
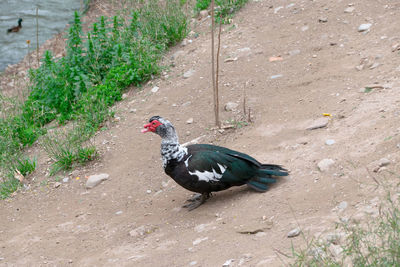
[146, 128]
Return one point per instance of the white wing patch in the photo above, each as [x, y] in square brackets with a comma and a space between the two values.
[206, 175]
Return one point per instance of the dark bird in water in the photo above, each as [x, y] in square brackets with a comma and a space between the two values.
[16, 28]
[206, 168]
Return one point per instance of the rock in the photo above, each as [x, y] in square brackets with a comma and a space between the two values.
[276, 76]
[277, 9]
[325, 164]
[293, 233]
[192, 263]
[133, 110]
[304, 28]
[189, 121]
[261, 234]
[294, 52]
[228, 263]
[57, 184]
[231, 106]
[199, 240]
[119, 212]
[374, 65]
[383, 162]
[335, 250]
[350, 9]
[330, 142]
[245, 258]
[148, 191]
[188, 73]
[177, 54]
[323, 20]
[318, 123]
[203, 14]
[333, 238]
[155, 89]
[94, 180]
[65, 180]
[142, 230]
[342, 205]
[364, 27]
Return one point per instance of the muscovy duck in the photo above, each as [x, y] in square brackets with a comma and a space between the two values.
[16, 28]
[204, 168]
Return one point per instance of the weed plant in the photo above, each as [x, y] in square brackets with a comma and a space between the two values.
[224, 10]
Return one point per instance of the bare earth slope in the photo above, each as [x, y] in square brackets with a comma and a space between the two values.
[135, 219]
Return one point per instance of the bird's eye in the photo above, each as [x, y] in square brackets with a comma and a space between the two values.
[154, 123]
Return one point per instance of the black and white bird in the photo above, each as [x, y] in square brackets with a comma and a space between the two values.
[206, 168]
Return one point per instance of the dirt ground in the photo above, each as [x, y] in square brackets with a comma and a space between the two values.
[135, 217]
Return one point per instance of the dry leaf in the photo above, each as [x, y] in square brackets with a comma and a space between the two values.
[18, 175]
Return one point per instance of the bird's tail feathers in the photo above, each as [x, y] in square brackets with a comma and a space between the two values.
[265, 176]
[272, 169]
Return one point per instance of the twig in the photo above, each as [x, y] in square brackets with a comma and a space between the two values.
[213, 65]
[37, 36]
[218, 123]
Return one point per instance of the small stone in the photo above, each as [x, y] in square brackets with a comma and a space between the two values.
[203, 14]
[318, 123]
[293, 233]
[139, 231]
[330, 142]
[192, 263]
[57, 184]
[189, 121]
[188, 73]
[119, 212]
[188, 133]
[323, 20]
[325, 164]
[342, 205]
[364, 27]
[375, 65]
[133, 110]
[261, 234]
[184, 42]
[350, 9]
[148, 191]
[199, 240]
[336, 250]
[304, 28]
[294, 52]
[177, 54]
[228, 263]
[94, 180]
[124, 96]
[65, 180]
[276, 76]
[231, 106]
[383, 162]
[155, 89]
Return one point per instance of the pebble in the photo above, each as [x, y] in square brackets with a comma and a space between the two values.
[199, 240]
[350, 9]
[119, 212]
[65, 180]
[148, 191]
[383, 162]
[261, 234]
[133, 110]
[228, 263]
[325, 164]
[375, 65]
[318, 123]
[304, 28]
[155, 89]
[294, 52]
[94, 180]
[293, 233]
[57, 184]
[231, 106]
[323, 20]
[276, 76]
[330, 142]
[189, 121]
[188, 73]
[343, 205]
[193, 263]
[177, 54]
[203, 14]
[364, 27]
[336, 250]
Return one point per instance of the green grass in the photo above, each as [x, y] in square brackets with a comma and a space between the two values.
[375, 242]
[225, 9]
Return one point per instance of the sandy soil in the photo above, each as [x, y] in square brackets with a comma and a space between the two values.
[135, 219]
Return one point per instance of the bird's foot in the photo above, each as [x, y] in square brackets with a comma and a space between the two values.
[196, 201]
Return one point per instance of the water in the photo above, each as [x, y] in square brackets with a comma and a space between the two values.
[53, 17]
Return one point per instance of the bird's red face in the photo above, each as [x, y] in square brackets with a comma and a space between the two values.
[151, 127]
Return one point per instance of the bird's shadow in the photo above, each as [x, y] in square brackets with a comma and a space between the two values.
[224, 197]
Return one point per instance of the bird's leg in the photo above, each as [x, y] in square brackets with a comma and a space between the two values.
[196, 201]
